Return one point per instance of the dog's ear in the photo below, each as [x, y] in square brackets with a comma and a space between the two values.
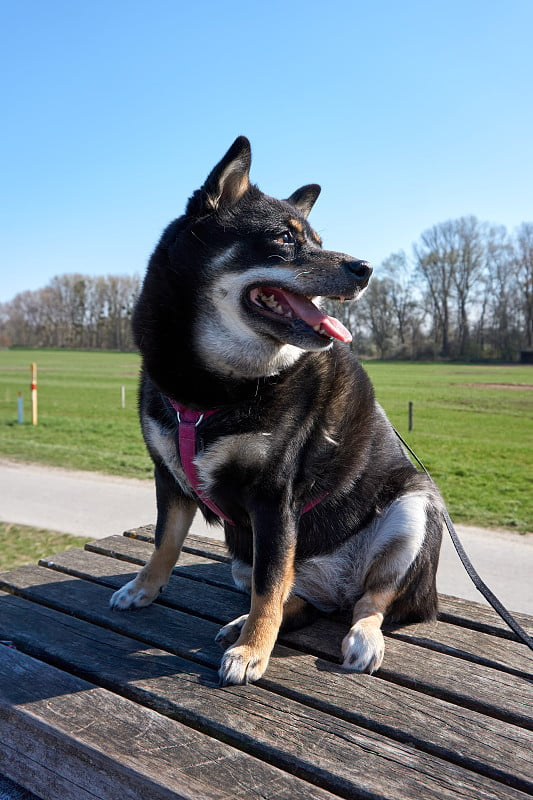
[229, 180]
[304, 199]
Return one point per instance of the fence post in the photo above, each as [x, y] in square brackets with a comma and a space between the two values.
[410, 416]
[33, 368]
[20, 409]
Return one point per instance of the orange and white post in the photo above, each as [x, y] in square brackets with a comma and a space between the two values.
[33, 387]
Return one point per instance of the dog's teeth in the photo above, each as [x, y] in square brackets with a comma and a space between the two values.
[316, 328]
[270, 302]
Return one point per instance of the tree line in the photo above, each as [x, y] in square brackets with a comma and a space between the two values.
[466, 292]
[73, 311]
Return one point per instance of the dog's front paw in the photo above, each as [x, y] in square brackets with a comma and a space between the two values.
[242, 664]
[133, 595]
[231, 632]
[363, 648]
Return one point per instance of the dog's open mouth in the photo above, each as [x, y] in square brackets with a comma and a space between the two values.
[293, 308]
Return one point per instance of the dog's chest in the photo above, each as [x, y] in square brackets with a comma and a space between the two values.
[227, 458]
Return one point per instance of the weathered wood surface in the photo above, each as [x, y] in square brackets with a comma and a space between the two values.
[95, 701]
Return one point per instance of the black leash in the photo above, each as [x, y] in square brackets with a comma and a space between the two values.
[467, 564]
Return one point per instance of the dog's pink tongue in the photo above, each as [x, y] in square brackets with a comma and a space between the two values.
[306, 310]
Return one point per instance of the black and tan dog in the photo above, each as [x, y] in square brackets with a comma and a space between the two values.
[254, 410]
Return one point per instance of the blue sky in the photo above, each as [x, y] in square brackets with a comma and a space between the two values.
[407, 113]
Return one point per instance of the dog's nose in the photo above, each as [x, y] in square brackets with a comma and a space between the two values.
[361, 271]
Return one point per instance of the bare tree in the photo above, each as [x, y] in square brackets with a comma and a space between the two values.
[451, 259]
[405, 301]
[467, 275]
[435, 261]
[523, 258]
[377, 310]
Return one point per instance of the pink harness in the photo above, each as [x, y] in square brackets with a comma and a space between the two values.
[188, 421]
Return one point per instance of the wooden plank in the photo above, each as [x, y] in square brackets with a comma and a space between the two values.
[200, 545]
[456, 734]
[65, 738]
[219, 604]
[480, 688]
[480, 617]
[135, 551]
[464, 643]
[318, 747]
[453, 610]
[474, 686]
[476, 646]
[91, 602]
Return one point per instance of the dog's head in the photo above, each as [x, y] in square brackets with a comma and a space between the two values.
[241, 275]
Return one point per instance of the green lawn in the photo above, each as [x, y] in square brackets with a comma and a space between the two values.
[473, 429]
[81, 422]
[473, 425]
[20, 544]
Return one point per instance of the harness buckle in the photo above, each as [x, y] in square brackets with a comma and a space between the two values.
[198, 421]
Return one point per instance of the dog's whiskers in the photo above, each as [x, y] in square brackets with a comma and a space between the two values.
[280, 257]
[305, 272]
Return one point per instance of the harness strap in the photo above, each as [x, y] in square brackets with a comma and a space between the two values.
[188, 421]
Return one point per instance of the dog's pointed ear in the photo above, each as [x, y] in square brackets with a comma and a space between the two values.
[229, 180]
[304, 199]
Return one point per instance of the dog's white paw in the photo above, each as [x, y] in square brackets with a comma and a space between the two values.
[363, 648]
[133, 595]
[230, 632]
[242, 664]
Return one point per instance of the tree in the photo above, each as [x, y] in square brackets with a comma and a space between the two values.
[376, 308]
[468, 241]
[451, 260]
[498, 325]
[405, 302]
[523, 260]
[435, 261]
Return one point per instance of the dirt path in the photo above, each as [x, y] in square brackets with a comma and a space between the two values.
[91, 504]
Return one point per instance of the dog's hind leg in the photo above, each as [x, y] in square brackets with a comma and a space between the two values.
[400, 577]
[174, 517]
[363, 646]
[297, 613]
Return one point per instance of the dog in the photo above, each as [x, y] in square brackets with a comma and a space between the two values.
[254, 410]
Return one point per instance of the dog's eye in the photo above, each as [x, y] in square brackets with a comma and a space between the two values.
[285, 238]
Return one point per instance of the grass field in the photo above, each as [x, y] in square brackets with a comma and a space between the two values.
[20, 544]
[473, 425]
[81, 422]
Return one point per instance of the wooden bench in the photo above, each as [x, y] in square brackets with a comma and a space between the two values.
[96, 703]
